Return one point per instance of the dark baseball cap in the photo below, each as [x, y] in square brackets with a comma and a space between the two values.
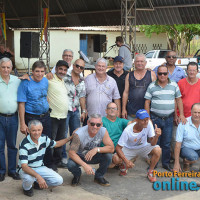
[118, 59]
[62, 63]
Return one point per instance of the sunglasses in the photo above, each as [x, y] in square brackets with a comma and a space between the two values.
[171, 57]
[78, 66]
[97, 124]
[162, 73]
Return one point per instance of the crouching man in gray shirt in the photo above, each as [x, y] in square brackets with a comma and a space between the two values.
[85, 149]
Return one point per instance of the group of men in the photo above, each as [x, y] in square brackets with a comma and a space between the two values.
[119, 105]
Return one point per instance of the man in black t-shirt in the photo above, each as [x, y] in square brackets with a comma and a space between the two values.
[119, 74]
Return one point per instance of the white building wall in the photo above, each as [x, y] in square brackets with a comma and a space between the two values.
[62, 39]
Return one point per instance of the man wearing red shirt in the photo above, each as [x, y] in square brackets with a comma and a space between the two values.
[190, 88]
[190, 91]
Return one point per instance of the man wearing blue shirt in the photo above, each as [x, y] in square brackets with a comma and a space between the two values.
[188, 140]
[33, 104]
[175, 73]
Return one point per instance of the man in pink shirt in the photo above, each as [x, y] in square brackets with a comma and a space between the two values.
[101, 89]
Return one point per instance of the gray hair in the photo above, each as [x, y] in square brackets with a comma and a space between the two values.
[5, 59]
[103, 60]
[195, 104]
[34, 123]
[94, 116]
[140, 55]
[69, 51]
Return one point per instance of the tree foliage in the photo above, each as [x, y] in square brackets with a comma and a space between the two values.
[180, 34]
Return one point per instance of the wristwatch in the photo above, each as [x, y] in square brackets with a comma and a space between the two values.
[84, 111]
[98, 150]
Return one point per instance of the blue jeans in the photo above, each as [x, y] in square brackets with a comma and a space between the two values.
[104, 160]
[46, 123]
[73, 122]
[51, 177]
[190, 154]
[164, 141]
[8, 133]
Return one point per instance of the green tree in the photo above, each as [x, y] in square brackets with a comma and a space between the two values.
[180, 34]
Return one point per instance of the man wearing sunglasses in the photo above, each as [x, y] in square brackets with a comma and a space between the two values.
[160, 104]
[85, 149]
[175, 73]
[76, 87]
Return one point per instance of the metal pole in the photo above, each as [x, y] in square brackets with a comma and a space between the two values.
[135, 29]
[125, 21]
[28, 66]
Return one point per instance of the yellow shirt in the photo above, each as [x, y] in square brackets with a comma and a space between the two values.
[58, 98]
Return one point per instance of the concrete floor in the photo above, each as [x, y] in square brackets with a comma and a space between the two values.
[133, 186]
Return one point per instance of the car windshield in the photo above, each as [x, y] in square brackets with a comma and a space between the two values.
[162, 54]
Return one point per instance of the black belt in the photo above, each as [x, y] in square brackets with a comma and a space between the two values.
[8, 115]
[38, 116]
[163, 118]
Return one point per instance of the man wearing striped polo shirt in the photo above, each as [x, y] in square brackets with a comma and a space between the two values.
[31, 153]
[160, 103]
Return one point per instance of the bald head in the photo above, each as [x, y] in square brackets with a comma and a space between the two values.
[78, 66]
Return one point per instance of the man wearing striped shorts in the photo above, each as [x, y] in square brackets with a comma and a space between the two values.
[160, 104]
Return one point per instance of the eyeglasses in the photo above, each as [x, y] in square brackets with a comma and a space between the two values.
[162, 73]
[110, 108]
[97, 124]
[171, 57]
[66, 55]
[78, 66]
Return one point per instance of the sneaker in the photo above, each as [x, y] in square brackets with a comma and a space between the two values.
[123, 170]
[64, 160]
[36, 186]
[101, 181]
[150, 176]
[15, 176]
[2, 177]
[53, 166]
[75, 181]
[186, 167]
[28, 192]
[61, 165]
